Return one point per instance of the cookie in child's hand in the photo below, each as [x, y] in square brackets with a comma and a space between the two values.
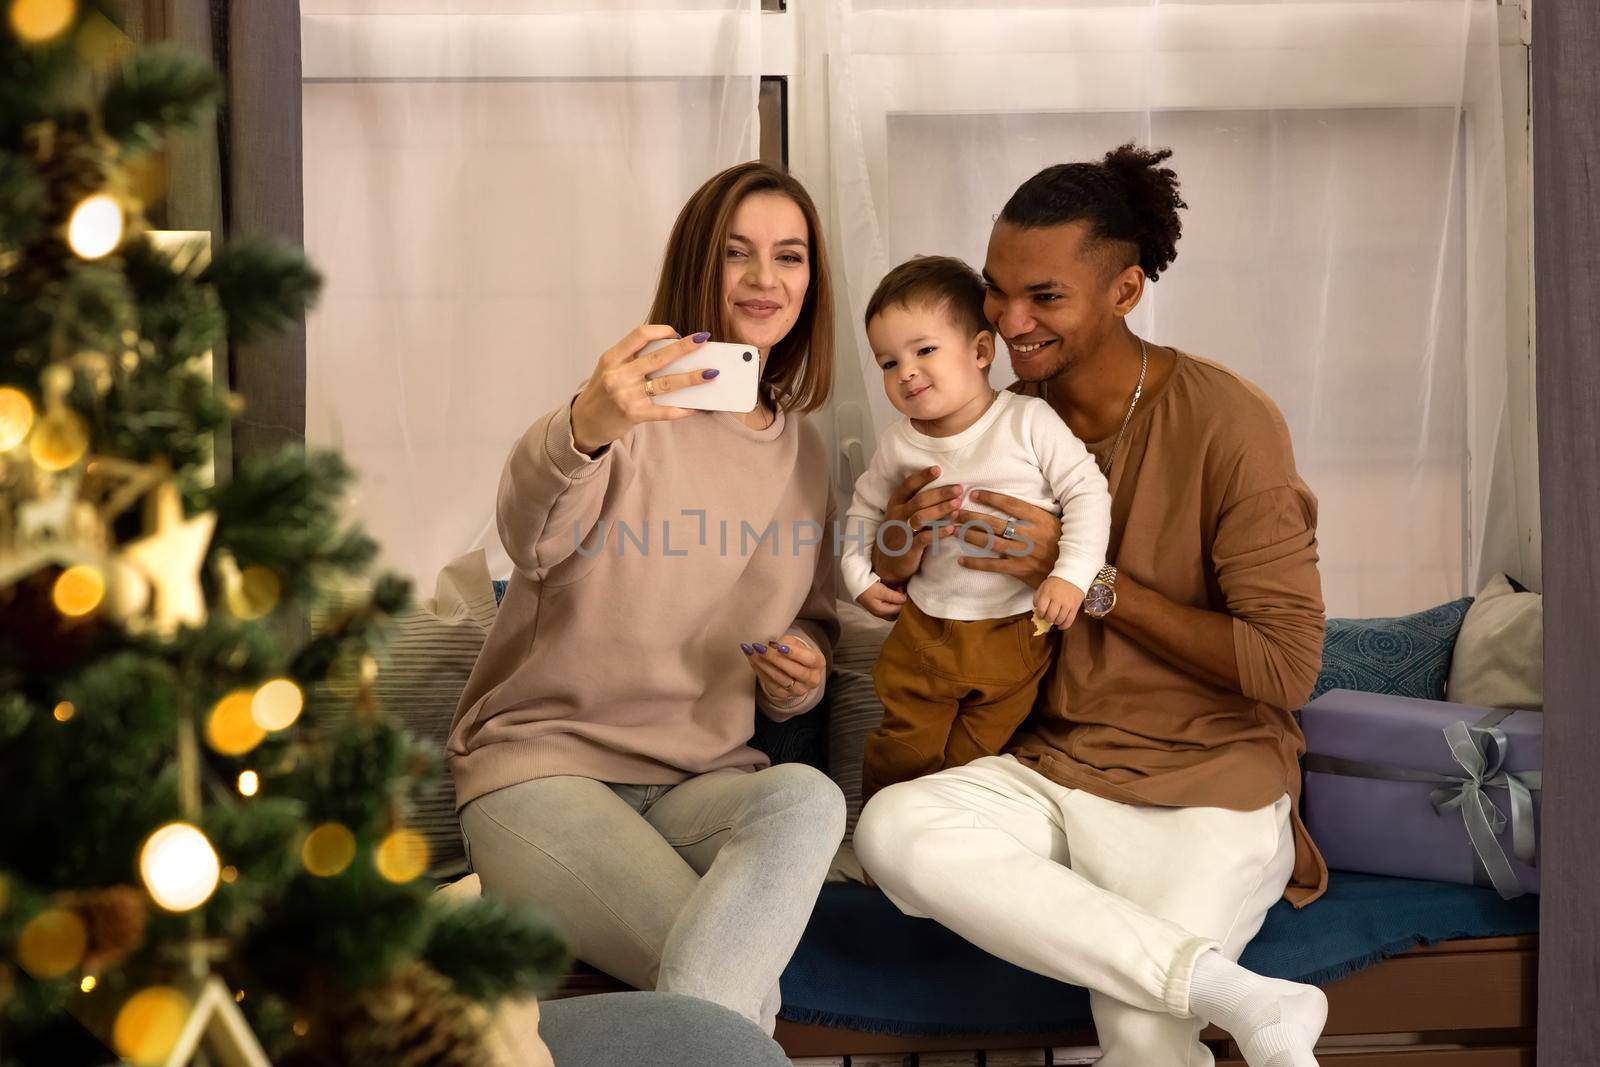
[1040, 626]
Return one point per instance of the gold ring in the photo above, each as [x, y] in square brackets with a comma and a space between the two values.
[650, 387]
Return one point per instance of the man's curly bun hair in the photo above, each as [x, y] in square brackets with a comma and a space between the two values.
[1127, 196]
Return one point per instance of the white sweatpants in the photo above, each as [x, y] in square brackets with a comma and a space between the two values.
[1118, 898]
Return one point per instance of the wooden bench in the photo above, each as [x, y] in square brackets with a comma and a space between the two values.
[1455, 1004]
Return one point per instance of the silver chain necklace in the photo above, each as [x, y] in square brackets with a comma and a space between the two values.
[1138, 391]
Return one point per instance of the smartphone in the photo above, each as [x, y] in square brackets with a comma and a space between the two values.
[733, 389]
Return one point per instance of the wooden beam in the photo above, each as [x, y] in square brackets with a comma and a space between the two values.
[1566, 160]
[265, 193]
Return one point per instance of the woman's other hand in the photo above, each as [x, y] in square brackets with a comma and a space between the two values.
[787, 669]
[616, 398]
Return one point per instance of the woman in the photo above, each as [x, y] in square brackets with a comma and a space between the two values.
[601, 749]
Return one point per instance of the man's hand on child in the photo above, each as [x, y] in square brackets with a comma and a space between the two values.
[882, 601]
[892, 558]
[1028, 554]
[1057, 601]
[787, 669]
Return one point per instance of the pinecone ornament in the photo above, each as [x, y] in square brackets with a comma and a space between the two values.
[115, 918]
[416, 1019]
[72, 161]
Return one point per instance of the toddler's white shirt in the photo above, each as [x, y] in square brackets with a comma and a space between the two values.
[1019, 447]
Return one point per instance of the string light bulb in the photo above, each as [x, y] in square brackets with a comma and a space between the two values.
[277, 704]
[39, 21]
[149, 1025]
[95, 228]
[328, 850]
[402, 856]
[179, 867]
[251, 593]
[59, 440]
[249, 783]
[230, 729]
[78, 590]
[52, 943]
[16, 417]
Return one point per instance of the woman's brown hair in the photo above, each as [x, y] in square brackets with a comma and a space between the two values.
[799, 368]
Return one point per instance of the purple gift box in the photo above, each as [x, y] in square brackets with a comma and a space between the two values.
[1424, 789]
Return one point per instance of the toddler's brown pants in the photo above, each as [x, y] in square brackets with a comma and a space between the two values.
[952, 691]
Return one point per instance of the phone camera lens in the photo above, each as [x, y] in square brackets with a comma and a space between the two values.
[748, 356]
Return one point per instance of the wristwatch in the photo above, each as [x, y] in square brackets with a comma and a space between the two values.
[1101, 596]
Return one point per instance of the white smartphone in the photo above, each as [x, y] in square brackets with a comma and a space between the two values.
[734, 387]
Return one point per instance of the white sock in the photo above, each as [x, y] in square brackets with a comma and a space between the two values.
[1275, 1023]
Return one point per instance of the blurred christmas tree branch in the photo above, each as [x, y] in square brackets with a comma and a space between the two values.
[136, 597]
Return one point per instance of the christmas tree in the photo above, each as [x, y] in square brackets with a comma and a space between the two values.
[198, 783]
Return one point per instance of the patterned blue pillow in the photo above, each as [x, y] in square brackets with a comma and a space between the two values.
[1408, 656]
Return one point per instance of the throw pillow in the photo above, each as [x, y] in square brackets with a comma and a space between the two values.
[1407, 656]
[1499, 661]
[853, 713]
[422, 672]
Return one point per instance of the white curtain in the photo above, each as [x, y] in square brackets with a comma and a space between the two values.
[489, 185]
[1344, 246]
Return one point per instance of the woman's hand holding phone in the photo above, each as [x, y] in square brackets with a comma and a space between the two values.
[616, 398]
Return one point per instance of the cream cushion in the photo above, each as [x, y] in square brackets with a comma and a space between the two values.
[1499, 654]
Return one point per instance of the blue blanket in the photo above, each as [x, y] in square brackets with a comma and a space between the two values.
[864, 966]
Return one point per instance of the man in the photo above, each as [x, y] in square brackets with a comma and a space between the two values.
[1140, 825]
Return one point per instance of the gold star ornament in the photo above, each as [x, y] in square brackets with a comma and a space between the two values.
[169, 558]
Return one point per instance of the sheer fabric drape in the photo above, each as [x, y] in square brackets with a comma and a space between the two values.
[1344, 245]
[489, 185]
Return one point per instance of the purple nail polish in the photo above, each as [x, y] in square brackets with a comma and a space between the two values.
[710, 373]
[762, 649]
[746, 648]
[784, 649]
[703, 335]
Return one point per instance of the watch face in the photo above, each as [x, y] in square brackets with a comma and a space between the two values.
[1099, 599]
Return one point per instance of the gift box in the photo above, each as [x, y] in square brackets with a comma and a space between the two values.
[1424, 789]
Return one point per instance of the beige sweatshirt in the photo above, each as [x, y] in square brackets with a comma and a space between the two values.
[615, 654]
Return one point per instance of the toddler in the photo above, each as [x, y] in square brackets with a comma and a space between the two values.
[959, 671]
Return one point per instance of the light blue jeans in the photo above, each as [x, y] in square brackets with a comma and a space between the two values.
[701, 888]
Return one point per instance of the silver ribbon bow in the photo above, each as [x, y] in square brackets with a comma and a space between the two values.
[1481, 750]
